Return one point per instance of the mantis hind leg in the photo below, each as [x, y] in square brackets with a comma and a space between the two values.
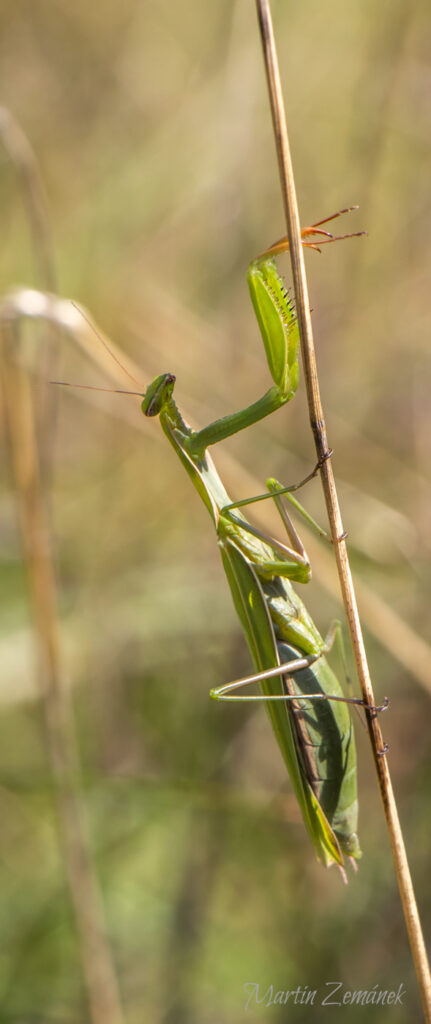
[227, 691]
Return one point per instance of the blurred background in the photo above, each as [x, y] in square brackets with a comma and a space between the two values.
[151, 129]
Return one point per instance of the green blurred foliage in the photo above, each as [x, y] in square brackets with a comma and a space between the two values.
[151, 126]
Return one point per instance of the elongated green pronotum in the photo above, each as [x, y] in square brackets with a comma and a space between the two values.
[315, 735]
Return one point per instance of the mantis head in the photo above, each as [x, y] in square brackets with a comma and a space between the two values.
[158, 394]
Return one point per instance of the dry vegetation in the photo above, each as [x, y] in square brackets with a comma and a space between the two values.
[151, 128]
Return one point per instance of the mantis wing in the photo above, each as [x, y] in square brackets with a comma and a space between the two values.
[252, 611]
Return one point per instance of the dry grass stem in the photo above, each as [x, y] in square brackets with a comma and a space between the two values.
[98, 967]
[318, 427]
[24, 162]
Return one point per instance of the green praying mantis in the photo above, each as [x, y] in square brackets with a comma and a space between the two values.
[307, 708]
[308, 711]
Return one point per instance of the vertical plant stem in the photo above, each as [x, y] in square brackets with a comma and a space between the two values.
[319, 431]
[23, 160]
[98, 967]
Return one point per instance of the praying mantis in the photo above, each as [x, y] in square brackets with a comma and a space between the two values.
[308, 711]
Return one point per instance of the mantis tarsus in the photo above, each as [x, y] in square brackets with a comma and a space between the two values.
[315, 735]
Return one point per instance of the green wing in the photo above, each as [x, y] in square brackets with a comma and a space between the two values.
[252, 611]
[330, 741]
